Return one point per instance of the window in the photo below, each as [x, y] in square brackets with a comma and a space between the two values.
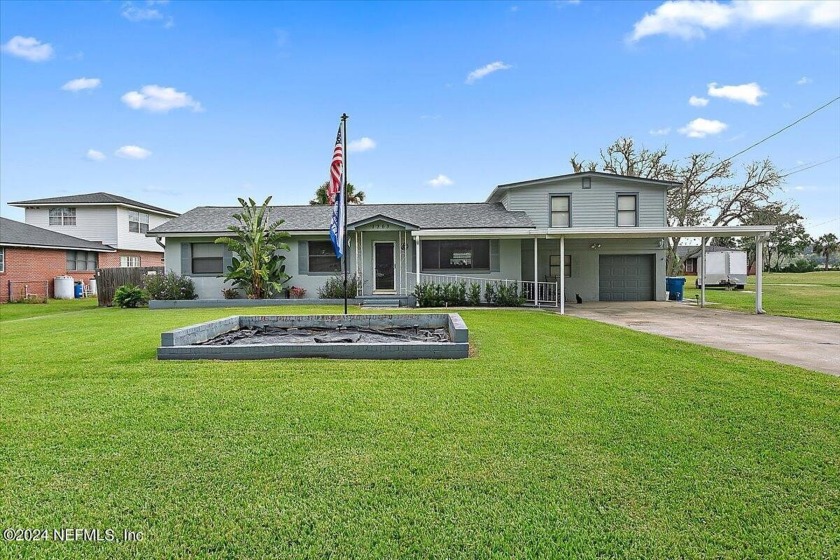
[2, 259]
[138, 222]
[554, 266]
[626, 214]
[561, 211]
[322, 257]
[62, 216]
[207, 258]
[81, 260]
[689, 266]
[586, 183]
[129, 262]
[470, 254]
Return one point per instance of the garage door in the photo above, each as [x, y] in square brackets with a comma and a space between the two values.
[626, 278]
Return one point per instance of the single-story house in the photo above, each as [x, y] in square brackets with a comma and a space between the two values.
[594, 235]
[31, 258]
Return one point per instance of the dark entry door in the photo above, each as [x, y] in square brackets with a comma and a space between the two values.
[626, 278]
[383, 262]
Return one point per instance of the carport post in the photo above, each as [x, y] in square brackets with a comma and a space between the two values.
[536, 271]
[703, 272]
[417, 260]
[562, 275]
[759, 271]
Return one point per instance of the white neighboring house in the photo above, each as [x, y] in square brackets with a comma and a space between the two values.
[110, 219]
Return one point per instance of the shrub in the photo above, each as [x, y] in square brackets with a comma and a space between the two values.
[507, 295]
[170, 286]
[129, 295]
[230, 293]
[333, 288]
[297, 292]
[474, 296]
[800, 265]
[429, 294]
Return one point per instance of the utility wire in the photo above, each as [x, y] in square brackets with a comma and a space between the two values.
[780, 131]
[808, 167]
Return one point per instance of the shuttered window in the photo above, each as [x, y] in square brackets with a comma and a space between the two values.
[207, 258]
[322, 257]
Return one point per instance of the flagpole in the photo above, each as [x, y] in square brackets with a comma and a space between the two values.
[344, 257]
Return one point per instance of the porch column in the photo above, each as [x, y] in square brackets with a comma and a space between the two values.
[759, 272]
[562, 275]
[536, 272]
[417, 260]
[703, 273]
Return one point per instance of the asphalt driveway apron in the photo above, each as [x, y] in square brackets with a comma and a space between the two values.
[813, 345]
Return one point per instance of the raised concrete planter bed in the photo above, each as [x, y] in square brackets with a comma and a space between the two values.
[188, 343]
[207, 303]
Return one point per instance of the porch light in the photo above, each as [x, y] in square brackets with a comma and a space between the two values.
[595, 246]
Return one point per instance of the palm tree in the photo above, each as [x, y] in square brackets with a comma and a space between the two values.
[826, 245]
[353, 197]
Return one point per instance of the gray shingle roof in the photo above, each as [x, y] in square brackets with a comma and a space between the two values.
[215, 219]
[92, 198]
[25, 235]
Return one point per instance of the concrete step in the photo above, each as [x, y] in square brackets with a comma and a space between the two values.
[380, 303]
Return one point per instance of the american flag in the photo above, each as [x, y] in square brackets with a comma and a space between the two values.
[336, 169]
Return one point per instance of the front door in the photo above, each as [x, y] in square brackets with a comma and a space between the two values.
[383, 266]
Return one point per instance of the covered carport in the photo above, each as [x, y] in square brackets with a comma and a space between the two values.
[596, 235]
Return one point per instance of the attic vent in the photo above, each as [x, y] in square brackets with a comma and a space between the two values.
[586, 182]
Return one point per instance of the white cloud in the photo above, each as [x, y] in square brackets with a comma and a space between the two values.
[134, 13]
[363, 144]
[95, 155]
[691, 19]
[440, 181]
[700, 128]
[661, 131]
[29, 48]
[133, 152]
[80, 84]
[746, 93]
[804, 80]
[157, 99]
[695, 101]
[479, 73]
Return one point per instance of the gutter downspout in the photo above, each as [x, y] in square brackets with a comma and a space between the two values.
[157, 240]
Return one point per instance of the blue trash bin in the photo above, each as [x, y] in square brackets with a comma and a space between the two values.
[675, 286]
[78, 290]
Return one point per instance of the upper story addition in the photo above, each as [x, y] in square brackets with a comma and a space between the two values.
[588, 200]
[114, 220]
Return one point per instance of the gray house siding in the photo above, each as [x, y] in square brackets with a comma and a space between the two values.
[595, 207]
[585, 262]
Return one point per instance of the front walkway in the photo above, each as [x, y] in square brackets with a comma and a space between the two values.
[813, 345]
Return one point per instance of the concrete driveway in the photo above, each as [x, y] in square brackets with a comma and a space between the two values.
[813, 345]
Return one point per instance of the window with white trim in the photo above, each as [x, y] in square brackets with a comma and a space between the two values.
[81, 260]
[561, 211]
[2, 259]
[138, 222]
[627, 214]
[62, 216]
[129, 261]
[207, 258]
[449, 254]
[554, 266]
[322, 257]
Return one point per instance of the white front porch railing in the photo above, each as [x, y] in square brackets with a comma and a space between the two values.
[547, 293]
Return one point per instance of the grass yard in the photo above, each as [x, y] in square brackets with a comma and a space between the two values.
[13, 311]
[810, 295]
[561, 438]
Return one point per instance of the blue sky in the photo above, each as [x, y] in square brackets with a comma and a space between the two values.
[182, 104]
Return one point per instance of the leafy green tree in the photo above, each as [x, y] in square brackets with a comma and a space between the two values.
[258, 266]
[826, 245]
[353, 197]
[787, 241]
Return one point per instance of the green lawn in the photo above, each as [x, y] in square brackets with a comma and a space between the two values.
[811, 295]
[13, 311]
[561, 438]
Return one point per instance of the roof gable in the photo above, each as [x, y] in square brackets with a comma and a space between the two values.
[500, 189]
[93, 199]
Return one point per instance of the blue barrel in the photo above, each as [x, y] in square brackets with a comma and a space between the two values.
[78, 291]
[675, 286]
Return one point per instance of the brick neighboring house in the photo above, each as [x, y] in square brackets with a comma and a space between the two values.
[108, 219]
[31, 258]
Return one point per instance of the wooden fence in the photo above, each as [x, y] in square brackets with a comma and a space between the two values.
[109, 279]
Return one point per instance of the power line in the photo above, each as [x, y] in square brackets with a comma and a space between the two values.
[780, 130]
[808, 167]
